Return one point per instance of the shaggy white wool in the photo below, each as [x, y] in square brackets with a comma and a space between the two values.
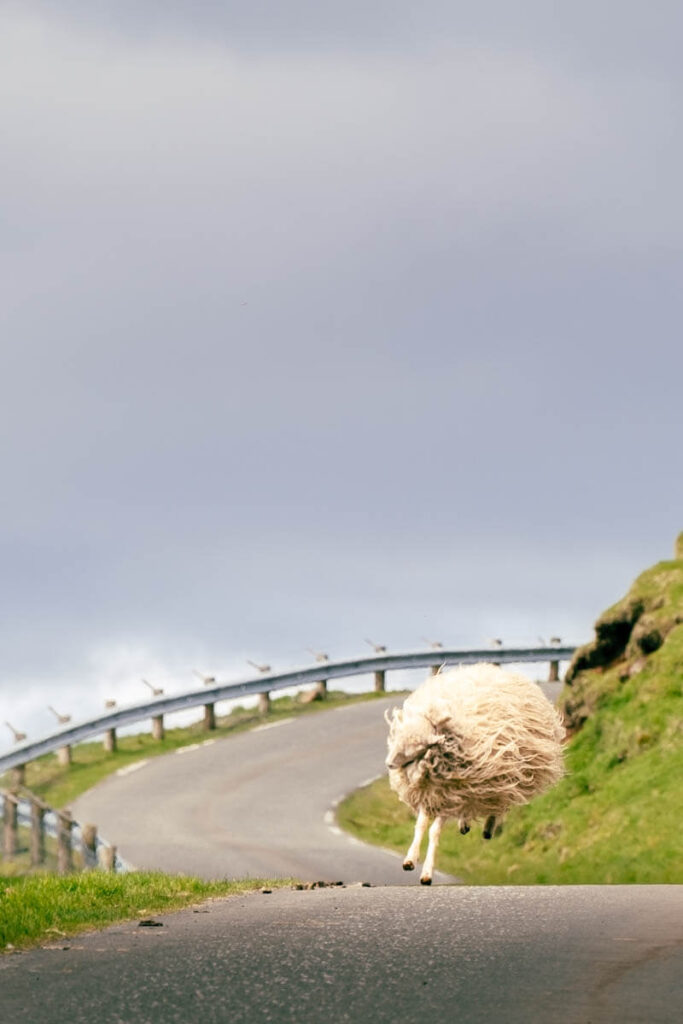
[472, 742]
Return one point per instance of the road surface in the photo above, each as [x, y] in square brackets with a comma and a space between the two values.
[259, 804]
[535, 955]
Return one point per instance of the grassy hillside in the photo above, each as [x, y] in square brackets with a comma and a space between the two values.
[616, 816]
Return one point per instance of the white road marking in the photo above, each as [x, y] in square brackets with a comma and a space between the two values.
[207, 743]
[132, 767]
[368, 782]
[329, 819]
[190, 746]
[272, 725]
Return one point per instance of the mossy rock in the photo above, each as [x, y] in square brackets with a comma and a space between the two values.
[627, 636]
[612, 634]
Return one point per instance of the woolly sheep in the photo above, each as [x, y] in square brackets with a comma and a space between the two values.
[470, 743]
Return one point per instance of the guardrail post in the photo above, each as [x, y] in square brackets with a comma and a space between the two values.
[97, 727]
[321, 686]
[554, 676]
[64, 756]
[107, 857]
[158, 727]
[64, 853]
[109, 741]
[37, 833]
[89, 837]
[18, 775]
[10, 826]
[209, 720]
[264, 703]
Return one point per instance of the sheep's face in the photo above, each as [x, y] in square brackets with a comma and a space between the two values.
[410, 737]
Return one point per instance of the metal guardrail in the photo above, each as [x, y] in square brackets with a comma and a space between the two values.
[277, 681]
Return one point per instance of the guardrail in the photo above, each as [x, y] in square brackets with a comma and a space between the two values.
[62, 740]
[26, 810]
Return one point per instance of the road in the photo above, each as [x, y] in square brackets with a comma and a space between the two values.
[535, 955]
[259, 804]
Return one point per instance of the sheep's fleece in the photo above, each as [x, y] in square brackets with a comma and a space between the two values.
[473, 741]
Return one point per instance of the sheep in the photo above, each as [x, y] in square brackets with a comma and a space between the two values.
[470, 743]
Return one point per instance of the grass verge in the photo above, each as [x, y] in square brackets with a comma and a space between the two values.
[625, 831]
[48, 909]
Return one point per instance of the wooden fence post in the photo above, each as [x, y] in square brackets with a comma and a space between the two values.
[10, 825]
[158, 727]
[106, 856]
[37, 841]
[434, 671]
[64, 756]
[18, 775]
[89, 837]
[379, 682]
[209, 720]
[109, 741]
[264, 703]
[554, 676]
[64, 852]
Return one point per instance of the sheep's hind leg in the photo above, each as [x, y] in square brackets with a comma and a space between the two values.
[463, 825]
[434, 836]
[413, 854]
[489, 826]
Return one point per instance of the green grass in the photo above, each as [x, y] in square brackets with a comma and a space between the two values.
[47, 908]
[58, 785]
[615, 817]
[588, 830]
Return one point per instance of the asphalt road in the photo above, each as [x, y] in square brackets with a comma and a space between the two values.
[536, 955]
[259, 804]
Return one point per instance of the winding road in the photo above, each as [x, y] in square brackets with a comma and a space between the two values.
[259, 804]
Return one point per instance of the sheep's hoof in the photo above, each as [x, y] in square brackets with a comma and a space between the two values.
[464, 829]
[425, 881]
[408, 865]
[486, 835]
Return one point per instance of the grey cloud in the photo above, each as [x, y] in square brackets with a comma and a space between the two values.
[597, 33]
[296, 345]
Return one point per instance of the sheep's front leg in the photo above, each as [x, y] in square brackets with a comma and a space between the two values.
[413, 854]
[489, 826]
[434, 836]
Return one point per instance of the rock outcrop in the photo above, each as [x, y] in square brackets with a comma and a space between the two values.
[627, 635]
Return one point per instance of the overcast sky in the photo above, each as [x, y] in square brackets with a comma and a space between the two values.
[329, 320]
